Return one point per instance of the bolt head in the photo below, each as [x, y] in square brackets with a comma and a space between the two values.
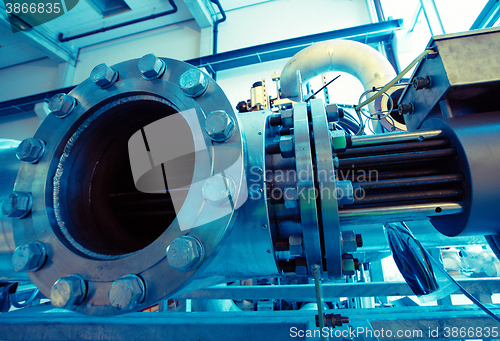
[287, 118]
[151, 67]
[338, 140]
[290, 197]
[68, 292]
[193, 82]
[30, 150]
[219, 126]
[185, 253]
[126, 292]
[17, 205]
[295, 242]
[349, 241]
[287, 146]
[103, 76]
[218, 189]
[29, 257]
[61, 105]
[332, 113]
[348, 264]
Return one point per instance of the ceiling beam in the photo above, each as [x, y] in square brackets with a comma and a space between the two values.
[45, 41]
[201, 12]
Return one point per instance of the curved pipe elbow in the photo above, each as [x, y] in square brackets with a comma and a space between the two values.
[365, 63]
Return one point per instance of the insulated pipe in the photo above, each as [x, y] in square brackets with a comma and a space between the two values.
[365, 63]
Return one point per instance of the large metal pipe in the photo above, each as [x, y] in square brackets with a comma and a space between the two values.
[360, 60]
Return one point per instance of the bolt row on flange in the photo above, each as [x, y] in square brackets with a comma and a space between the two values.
[184, 253]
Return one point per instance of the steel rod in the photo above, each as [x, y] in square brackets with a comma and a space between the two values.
[413, 156]
[416, 181]
[393, 148]
[413, 195]
[383, 214]
[378, 139]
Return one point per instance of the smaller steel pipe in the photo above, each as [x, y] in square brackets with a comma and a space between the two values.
[413, 156]
[357, 175]
[394, 148]
[378, 139]
[406, 196]
[381, 214]
[417, 181]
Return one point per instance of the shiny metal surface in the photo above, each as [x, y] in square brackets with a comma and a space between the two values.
[259, 195]
[379, 139]
[463, 92]
[399, 212]
[249, 246]
[49, 211]
[328, 195]
[306, 188]
[479, 163]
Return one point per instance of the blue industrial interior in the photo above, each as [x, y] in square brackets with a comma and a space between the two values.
[249, 170]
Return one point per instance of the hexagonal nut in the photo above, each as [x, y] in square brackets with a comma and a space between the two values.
[345, 192]
[219, 126]
[290, 197]
[349, 241]
[126, 292]
[301, 270]
[68, 292]
[29, 257]
[61, 105]
[218, 189]
[348, 267]
[332, 113]
[338, 140]
[151, 67]
[287, 146]
[103, 76]
[17, 205]
[185, 253]
[295, 242]
[30, 150]
[287, 118]
[193, 82]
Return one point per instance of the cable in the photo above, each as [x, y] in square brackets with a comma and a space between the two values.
[376, 115]
[397, 78]
[473, 299]
[324, 86]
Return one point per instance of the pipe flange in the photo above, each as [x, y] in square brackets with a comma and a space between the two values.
[327, 196]
[305, 187]
[81, 147]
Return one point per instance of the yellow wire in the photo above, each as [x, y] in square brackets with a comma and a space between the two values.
[397, 78]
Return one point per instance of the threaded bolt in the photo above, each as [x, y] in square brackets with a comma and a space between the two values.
[420, 83]
[151, 67]
[185, 253]
[193, 82]
[103, 76]
[127, 292]
[30, 150]
[404, 109]
[17, 205]
[29, 257]
[219, 126]
[61, 105]
[68, 292]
